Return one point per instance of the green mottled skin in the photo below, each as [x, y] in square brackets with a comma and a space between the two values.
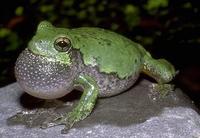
[110, 52]
[96, 45]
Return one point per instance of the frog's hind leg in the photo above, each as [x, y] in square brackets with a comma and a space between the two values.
[160, 70]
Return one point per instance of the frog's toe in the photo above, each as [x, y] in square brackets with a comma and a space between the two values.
[161, 90]
[61, 120]
[71, 120]
[55, 122]
[66, 129]
[45, 125]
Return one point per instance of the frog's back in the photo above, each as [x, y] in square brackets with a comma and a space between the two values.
[113, 60]
[111, 52]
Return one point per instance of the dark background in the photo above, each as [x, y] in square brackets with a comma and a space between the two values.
[169, 29]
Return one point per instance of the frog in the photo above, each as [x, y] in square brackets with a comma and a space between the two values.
[97, 61]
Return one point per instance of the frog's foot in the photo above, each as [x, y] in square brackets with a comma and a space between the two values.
[161, 90]
[68, 119]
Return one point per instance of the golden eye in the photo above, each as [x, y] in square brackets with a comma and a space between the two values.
[62, 44]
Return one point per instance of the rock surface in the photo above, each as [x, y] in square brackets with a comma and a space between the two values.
[131, 114]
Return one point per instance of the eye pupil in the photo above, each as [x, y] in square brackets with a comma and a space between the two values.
[62, 44]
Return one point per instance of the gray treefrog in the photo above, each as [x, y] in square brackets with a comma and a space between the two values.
[101, 62]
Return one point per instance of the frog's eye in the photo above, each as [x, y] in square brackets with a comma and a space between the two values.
[62, 44]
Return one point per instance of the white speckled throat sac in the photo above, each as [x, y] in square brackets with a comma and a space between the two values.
[41, 78]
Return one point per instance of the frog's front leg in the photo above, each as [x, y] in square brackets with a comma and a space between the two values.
[160, 70]
[84, 107]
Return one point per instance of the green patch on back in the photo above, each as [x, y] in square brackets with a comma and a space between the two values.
[111, 52]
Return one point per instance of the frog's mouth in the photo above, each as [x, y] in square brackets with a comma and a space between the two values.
[42, 78]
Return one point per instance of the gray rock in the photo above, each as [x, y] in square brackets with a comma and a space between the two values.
[135, 113]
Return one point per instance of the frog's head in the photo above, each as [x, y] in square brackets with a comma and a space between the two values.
[46, 69]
